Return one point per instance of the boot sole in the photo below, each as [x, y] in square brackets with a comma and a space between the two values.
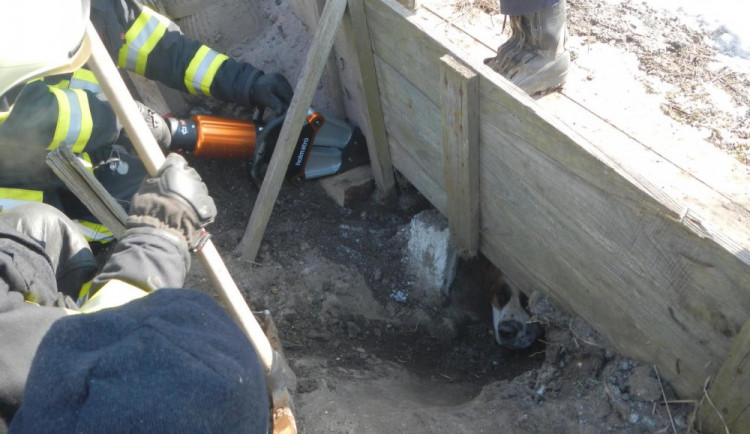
[547, 79]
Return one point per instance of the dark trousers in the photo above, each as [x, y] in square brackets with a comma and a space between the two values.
[520, 7]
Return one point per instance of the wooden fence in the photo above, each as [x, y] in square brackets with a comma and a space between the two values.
[649, 244]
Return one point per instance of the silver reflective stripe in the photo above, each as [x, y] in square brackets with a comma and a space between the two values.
[135, 46]
[77, 83]
[74, 130]
[200, 73]
[92, 234]
[6, 204]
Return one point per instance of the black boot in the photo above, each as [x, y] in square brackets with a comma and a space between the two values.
[534, 58]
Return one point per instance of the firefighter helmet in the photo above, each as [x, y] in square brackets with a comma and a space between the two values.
[41, 37]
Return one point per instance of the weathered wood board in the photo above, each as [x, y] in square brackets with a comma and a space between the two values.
[726, 405]
[460, 128]
[656, 258]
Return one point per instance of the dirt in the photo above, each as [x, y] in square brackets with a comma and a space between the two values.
[370, 358]
[701, 87]
[368, 361]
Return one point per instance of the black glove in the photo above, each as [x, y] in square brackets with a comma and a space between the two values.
[175, 200]
[272, 91]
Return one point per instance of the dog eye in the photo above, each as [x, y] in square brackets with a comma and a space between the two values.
[503, 293]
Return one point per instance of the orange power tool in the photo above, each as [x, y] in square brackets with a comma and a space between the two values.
[324, 147]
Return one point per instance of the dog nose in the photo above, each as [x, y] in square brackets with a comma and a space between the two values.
[508, 330]
[517, 335]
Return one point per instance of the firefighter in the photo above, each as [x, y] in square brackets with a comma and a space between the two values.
[69, 110]
[139, 355]
[535, 57]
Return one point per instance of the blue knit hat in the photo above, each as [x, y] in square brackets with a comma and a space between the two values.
[172, 361]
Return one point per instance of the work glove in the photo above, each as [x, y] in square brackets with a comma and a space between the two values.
[271, 91]
[174, 200]
[157, 125]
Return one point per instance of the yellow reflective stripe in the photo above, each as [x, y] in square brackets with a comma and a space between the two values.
[202, 70]
[11, 197]
[74, 123]
[114, 293]
[63, 118]
[22, 194]
[140, 40]
[62, 84]
[86, 159]
[83, 294]
[95, 231]
[4, 116]
[86, 80]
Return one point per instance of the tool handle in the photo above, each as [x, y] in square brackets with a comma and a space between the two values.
[151, 155]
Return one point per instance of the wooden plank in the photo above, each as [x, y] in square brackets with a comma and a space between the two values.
[88, 189]
[355, 185]
[460, 127]
[377, 140]
[303, 95]
[415, 136]
[309, 12]
[656, 263]
[729, 393]
[152, 157]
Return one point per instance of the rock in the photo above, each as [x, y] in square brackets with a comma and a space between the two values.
[319, 335]
[644, 387]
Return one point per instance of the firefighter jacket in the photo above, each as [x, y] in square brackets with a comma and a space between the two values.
[71, 111]
[143, 260]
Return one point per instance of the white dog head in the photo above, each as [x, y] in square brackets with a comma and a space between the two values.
[513, 325]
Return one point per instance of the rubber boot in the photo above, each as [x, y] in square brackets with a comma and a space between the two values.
[534, 58]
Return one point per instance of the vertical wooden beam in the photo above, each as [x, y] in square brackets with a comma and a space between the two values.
[729, 406]
[375, 132]
[460, 126]
[295, 117]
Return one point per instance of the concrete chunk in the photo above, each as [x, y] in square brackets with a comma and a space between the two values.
[431, 257]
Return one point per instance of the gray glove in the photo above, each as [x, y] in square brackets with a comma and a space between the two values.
[175, 200]
[157, 125]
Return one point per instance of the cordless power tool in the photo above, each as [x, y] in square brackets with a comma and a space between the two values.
[324, 147]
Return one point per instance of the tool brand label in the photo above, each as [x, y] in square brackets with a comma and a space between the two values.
[302, 151]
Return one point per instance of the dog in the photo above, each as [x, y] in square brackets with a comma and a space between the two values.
[511, 320]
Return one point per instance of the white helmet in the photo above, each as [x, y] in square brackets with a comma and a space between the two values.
[41, 37]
